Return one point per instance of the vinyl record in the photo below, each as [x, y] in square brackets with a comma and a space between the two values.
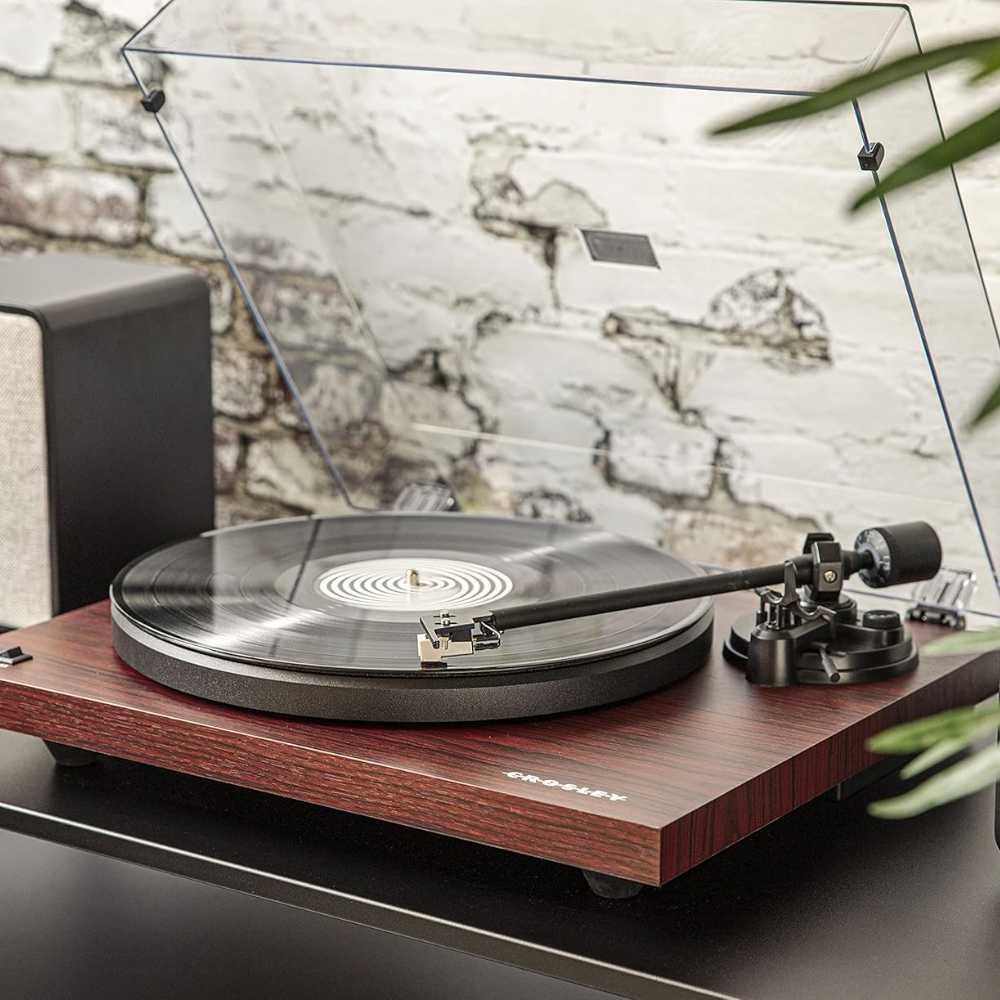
[278, 602]
[345, 594]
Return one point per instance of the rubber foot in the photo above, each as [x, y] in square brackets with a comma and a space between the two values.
[611, 886]
[66, 756]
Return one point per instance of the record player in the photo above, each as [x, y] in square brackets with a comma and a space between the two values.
[635, 445]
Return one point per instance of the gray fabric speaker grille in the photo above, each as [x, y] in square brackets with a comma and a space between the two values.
[25, 556]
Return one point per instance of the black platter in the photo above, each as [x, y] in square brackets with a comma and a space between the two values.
[319, 617]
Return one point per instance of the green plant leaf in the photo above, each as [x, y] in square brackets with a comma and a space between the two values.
[956, 723]
[988, 65]
[984, 50]
[988, 405]
[979, 771]
[933, 755]
[973, 138]
[965, 642]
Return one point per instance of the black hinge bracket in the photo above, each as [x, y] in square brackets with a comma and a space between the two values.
[154, 100]
[871, 155]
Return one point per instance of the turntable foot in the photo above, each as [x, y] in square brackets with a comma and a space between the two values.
[611, 886]
[66, 756]
[875, 772]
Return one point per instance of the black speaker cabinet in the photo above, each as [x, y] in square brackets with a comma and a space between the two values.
[105, 423]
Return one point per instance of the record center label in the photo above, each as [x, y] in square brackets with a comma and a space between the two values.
[413, 583]
[566, 786]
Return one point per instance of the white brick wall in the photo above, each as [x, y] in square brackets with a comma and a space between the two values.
[31, 31]
[80, 166]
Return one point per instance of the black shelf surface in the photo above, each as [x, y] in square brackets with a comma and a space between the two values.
[825, 903]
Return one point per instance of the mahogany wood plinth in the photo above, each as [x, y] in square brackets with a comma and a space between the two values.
[684, 773]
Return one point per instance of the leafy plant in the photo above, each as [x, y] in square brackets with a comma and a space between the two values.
[939, 737]
[936, 739]
[981, 54]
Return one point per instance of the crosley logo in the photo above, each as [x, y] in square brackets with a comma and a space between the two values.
[566, 786]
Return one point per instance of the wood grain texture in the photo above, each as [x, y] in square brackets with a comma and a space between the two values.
[701, 764]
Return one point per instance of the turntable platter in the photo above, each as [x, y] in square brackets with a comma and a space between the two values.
[306, 603]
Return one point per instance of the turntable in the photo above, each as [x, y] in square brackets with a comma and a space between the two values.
[335, 617]
[594, 409]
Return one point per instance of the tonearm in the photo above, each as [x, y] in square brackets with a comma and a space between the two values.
[808, 632]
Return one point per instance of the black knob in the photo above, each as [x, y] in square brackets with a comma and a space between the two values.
[882, 619]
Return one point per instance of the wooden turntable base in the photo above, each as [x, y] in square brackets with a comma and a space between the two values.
[642, 790]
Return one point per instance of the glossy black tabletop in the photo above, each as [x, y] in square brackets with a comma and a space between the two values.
[827, 903]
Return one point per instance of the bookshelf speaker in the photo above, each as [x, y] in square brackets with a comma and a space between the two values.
[105, 423]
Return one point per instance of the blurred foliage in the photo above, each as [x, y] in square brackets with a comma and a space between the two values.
[982, 55]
